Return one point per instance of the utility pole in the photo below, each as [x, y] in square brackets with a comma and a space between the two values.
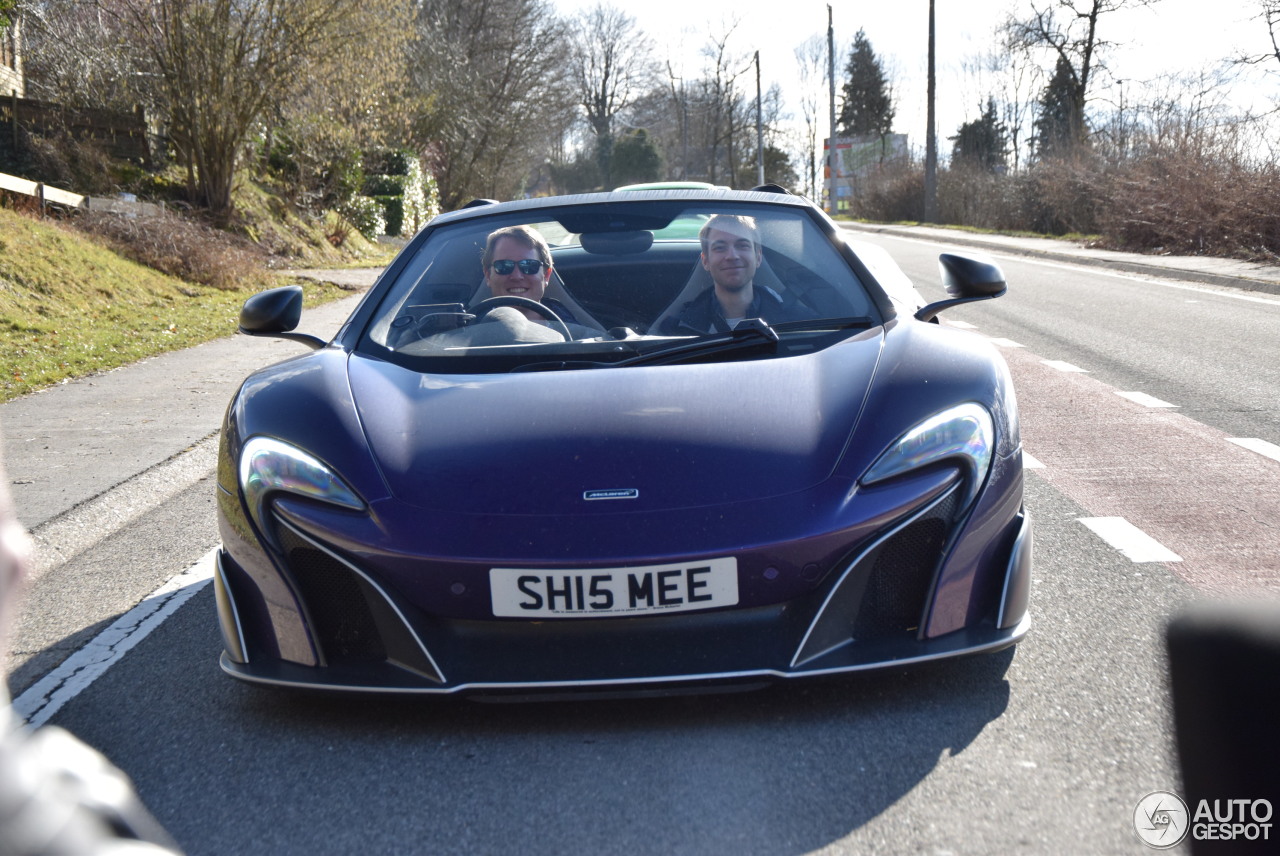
[759, 128]
[931, 135]
[831, 138]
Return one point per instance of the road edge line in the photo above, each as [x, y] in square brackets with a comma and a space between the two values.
[48, 695]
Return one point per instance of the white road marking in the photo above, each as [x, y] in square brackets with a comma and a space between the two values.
[1030, 463]
[47, 696]
[1004, 343]
[1262, 447]
[963, 325]
[1144, 399]
[1063, 366]
[1135, 544]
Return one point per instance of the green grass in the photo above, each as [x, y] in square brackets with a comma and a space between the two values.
[69, 307]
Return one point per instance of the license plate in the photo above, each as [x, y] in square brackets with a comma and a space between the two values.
[524, 593]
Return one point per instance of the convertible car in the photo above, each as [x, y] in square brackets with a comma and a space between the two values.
[641, 441]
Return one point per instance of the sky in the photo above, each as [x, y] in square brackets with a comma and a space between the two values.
[1170, 36]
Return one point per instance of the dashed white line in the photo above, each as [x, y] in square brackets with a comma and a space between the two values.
[1144, 399]
[1064, 366]
[1262, 447]
[47, 696]
[1004, 343]
[1135, 544]
[1029, 462]
[963, 325]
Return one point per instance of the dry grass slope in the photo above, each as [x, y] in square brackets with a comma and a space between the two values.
[70, 306]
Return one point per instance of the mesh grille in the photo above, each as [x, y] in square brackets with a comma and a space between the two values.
[902, 575]
[343, 624]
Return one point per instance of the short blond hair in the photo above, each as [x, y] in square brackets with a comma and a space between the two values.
[735, 224]
[525, 235]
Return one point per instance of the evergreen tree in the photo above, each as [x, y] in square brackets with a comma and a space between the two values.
[983, 143]
[1060, 126]
[635, 159]
[868, 103]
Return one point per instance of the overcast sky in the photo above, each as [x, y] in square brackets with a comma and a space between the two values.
[1170, 36]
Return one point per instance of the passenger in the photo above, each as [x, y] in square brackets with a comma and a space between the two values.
[731, 254]
[517, 263]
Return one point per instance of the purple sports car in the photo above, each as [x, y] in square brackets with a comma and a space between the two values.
[616, 442]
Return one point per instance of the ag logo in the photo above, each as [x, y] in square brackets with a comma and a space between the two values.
[1161, 820]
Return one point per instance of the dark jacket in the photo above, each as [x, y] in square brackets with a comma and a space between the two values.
[702, 314]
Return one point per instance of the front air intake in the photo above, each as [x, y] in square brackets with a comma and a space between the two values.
[338, 612]
[902, 575]
[883, 590]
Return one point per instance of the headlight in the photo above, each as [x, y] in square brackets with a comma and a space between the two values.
[268, 465]
[963, 435]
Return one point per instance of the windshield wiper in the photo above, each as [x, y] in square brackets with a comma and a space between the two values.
[750, 333]
[560, 366]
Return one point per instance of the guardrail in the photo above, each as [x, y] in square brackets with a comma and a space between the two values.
[45, 195]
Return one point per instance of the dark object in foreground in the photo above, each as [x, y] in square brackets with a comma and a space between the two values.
[1224, 664]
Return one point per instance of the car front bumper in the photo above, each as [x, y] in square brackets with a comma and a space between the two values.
[870, 613]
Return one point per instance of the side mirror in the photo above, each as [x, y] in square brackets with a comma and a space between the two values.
[275, 312]
[967, 278]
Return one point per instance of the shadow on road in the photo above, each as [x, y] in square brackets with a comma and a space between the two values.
[786, 769]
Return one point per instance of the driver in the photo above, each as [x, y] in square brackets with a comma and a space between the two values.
[731, 254]
[517, 263]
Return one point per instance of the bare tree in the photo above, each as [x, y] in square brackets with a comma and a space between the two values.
[496, 101]
[680, 100]
[1069, 31]
[216, 68]
[1015, 82]
[811, 58]
[1269, 15]
[721, 96]
[76, 55]
[612, 64]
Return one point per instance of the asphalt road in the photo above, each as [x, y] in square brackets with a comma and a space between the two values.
[1044, 749]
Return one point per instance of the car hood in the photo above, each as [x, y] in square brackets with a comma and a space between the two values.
[613, 440]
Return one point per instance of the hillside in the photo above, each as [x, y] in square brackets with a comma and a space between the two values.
[70, 307]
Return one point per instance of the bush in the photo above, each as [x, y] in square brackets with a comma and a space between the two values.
[977, 197]
[61, 161]
[367, 215]
[384, 185]
[409, 195]
[1183, 204]
[316, 162]
[179, 246]
[893, 192]
[393, 213]
[1062, 196]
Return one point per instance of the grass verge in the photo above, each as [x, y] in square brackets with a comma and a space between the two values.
[70, 307]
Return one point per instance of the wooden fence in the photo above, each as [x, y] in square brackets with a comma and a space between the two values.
[122, 135]
[46, 195]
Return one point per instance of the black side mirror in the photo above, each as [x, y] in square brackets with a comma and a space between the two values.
[275, 312]
[967, 278]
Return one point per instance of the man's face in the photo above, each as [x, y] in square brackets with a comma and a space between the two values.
[730, 259]
[516, 283]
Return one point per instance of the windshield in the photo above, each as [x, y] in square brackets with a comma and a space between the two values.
[599, 285]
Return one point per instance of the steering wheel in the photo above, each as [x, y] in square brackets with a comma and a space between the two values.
[483, 308]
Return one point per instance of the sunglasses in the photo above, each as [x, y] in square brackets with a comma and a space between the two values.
[528, 267]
